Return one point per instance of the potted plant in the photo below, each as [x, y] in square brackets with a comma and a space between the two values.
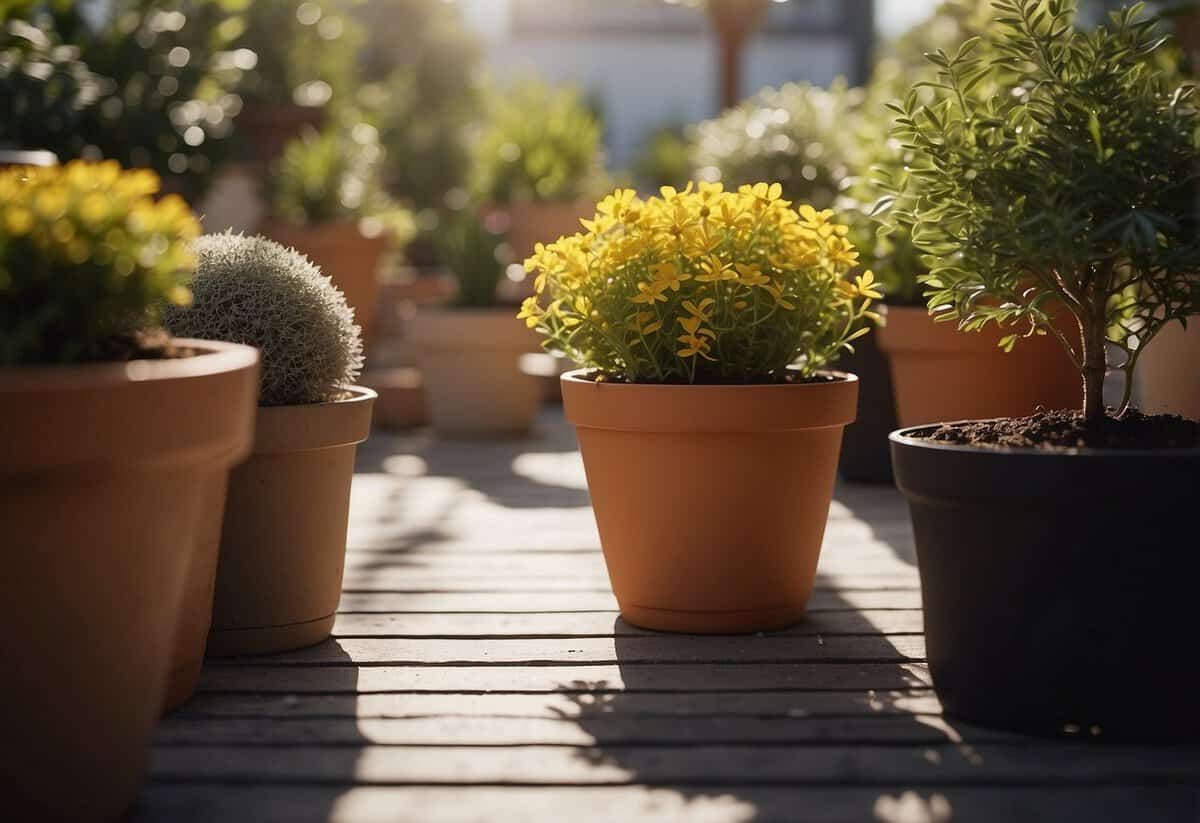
[327, 204]
[538, 161]
[1055, 180]
[819, 145]
[938, 374]
[109, 432]
[283, 537]
[469, 352]
[703, 321]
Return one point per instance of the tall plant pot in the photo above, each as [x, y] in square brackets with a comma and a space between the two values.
[267, 128]
[1058, 588]
[940, 373]
[344, 254]
[470, 362]
[283, 540]
[1168, 372]
[102, 472]
[711, 501]
[866, 457]
[538, 221]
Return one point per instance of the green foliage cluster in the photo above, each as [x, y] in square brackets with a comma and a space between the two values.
[164, 72]
[1055, 174]
[538, 143]
[471, 251]
[304, 50]
[666, 159]
[329, 175]
[86, 253]
[423, 97]
[44, 87]
[253, 291]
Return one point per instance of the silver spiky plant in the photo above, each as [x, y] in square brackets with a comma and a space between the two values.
[254, 291]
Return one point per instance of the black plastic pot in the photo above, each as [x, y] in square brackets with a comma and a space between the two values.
[1059, 589]
[865, 457]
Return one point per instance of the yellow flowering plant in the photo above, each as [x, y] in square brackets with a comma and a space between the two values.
[86, 253]
[702, 285]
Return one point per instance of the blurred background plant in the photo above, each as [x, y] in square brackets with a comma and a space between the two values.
[666, 159]
[538, 144]
[475, 253]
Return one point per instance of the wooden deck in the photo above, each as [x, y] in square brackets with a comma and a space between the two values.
[479, 672]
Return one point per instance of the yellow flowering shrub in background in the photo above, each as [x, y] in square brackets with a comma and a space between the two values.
[86, 252]
[701, 286]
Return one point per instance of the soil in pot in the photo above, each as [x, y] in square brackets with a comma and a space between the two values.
[345, 254]
[1058, 579]
[866, 457]
[470, 363]
[101, 487]
[283, 538]
[940, 373]
[711, 501]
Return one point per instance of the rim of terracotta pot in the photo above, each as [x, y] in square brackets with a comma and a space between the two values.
[312, 426]
[755, 407]
[912, 329]
[37, 401]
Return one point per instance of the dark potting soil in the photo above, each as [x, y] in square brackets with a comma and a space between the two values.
[791, 378]
[1057, 430]
[143, 344]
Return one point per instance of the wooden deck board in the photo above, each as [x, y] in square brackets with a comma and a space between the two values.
[479, 672]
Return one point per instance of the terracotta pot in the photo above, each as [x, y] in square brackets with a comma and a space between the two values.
[345, 255]
[940, 373]
[283, 539]
[533, 222]
[470, 362]
[1058, 588]
[711, 501]
[1168, 372]
[102, 474]
[267, 127]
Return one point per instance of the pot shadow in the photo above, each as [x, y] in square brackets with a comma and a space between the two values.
[244, 747]
[747, 727]
[880, 513]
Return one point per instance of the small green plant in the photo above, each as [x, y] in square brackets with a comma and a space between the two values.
[471, 251]
[539, 144]
[330, 175]
[1056, 176]
[665, 160]
[704, 286]
[253, 291]
[86, 253]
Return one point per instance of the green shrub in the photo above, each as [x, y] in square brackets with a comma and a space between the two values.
[666, 159]
[538, 144]
[470, 250]
[85, 254]
[1055, 173]
[330, 175]
[253, 291]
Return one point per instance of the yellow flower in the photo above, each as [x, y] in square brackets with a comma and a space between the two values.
[842, 252]
[694, 345]
[703, 309]
[668, 276]
[780, 300]
[530, 312]
[764, 194]
[715, 269]
[18, 220]
[865, 283]
[649, 293]
[646, 322]
[751, 275]
[615, 205]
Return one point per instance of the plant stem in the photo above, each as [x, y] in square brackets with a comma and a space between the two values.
[1095, 361]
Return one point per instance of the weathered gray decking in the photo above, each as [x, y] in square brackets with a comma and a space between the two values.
[479, 672]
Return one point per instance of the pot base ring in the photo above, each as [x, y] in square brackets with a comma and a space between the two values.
[268, 639]
[713, 622]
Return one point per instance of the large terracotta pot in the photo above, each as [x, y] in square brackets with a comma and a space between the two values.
[711, 501]
[102, 474]
[1168, 372]
[283, 539]
[344, 254]
[940, 373]
[470, 363]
